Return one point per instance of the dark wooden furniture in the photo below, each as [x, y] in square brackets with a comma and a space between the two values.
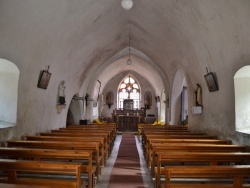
[128, 123]
[128, 119]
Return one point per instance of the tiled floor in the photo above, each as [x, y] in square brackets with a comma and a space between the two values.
[106, 172]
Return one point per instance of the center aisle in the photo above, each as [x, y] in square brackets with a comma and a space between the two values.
[126, 171]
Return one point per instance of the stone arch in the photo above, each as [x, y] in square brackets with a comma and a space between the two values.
[179, 83]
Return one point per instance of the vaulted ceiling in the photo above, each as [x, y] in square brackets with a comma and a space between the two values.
[83, 40]
[86, 40]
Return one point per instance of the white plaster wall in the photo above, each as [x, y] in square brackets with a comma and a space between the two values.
[75, 38]
[224, 52]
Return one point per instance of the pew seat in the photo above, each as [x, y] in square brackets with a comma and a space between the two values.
[237, 176]
[41, 173]
[85, 157]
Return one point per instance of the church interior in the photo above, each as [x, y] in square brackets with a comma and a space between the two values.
[118, 67]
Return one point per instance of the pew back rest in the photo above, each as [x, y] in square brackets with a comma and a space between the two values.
[14, 169]
[237, 173]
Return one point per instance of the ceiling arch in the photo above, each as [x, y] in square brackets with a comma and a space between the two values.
[140, 64]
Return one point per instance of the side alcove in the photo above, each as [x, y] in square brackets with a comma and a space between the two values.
[9, 77]
[242, 99]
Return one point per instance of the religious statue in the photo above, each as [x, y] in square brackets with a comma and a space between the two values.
[61, 92]
[198, 97]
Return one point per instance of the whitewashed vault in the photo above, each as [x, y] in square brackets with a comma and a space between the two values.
[83, 41]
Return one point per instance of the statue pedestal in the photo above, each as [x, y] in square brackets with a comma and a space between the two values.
[59, 108]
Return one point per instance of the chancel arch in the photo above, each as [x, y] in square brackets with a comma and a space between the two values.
[9, 78]
[75, 110]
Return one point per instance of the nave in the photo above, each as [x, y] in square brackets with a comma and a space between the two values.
[107, 171]
[96, 156]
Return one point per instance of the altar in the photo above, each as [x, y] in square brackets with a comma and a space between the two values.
[127, 123]
[127, 120]
[128, 117]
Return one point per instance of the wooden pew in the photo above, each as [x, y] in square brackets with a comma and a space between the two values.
[156, 141]
[209, 141]
[151, 127]
[11, 185]
[99, 126]
[53, 155]
[74, 139]
[90, 146]
[148, 137]
[198, 158]
[79, 134]
[193, 147]
[162, 142]
[235, 173]
[13, 172]
[110, 133]
[159, 152]
[93, 126]
[87, 132]
[95, 129]
[103, 128]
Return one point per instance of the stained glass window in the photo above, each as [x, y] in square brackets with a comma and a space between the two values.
[129, 89]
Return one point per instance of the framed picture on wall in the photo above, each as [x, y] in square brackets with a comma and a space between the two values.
[211, 82]
[109, 99]
[147, 100]
[44, 79]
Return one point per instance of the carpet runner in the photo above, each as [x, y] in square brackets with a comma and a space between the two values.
[126, 171]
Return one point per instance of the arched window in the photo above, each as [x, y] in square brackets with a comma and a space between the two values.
[129, 89]
[9, 77]
[242, 99]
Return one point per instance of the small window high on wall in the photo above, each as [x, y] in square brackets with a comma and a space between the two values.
[9, 77]
[242, 99]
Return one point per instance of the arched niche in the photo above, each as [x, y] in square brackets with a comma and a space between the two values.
[179, 99]
[242, 99]
[9, 78]
[76, 110]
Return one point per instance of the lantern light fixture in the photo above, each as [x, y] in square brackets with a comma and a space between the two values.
[127, 4]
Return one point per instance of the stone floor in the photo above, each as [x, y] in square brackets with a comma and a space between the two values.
[103, 180]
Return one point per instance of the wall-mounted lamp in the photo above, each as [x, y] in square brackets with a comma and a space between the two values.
[127, 4]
